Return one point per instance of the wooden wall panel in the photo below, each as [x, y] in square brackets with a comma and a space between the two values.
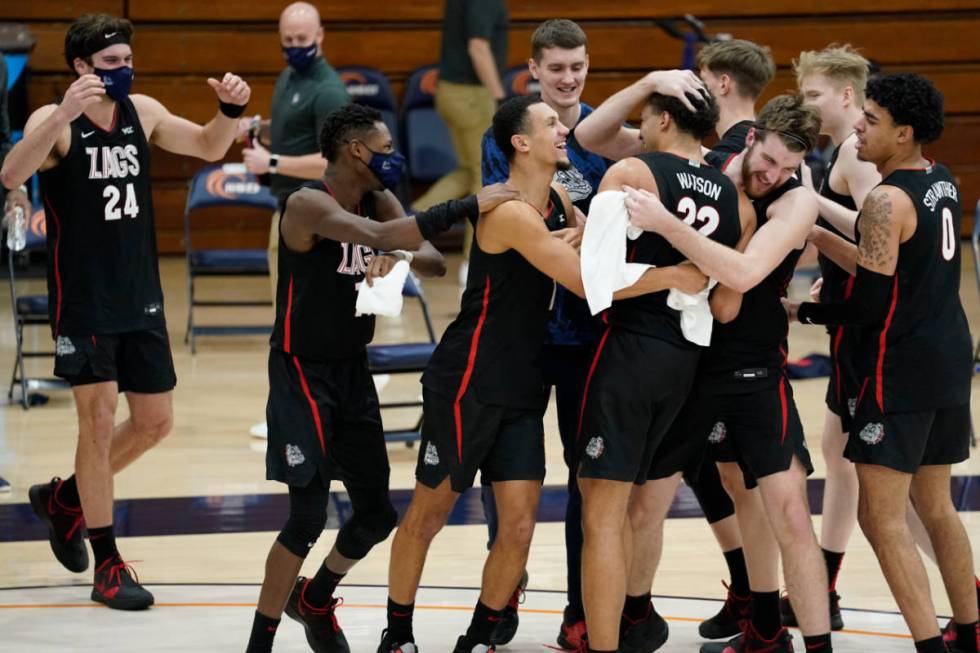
[59, 9]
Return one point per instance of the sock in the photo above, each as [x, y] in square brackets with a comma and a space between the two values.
[966, 637]
[817, 643]
[596, 650]
[738, 572]
[67, 493]
[978, 590]
[263, 632]
[636, 608]
[400, 622]
[765, 613]
[103, 542]
[481, 626]
[833, 560]
[931, 645]
[320, 590]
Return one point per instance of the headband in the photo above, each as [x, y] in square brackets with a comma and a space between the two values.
[100, 42]
[796, 138]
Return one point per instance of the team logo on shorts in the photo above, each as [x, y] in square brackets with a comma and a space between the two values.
[852, 405]
[718, 433]
[294, 456]
[872, 433]
[431, 456]
[595, 447]
[64, 346]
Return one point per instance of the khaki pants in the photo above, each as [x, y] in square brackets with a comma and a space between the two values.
[273, 252]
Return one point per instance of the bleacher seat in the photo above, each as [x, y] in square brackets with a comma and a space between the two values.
[425, 139]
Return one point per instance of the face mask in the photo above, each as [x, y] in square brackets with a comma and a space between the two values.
[117, 81]
[387, 168]
[300, 58]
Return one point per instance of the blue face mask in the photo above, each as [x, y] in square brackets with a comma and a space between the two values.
[388, 168]
[117, 81]
[300, 58]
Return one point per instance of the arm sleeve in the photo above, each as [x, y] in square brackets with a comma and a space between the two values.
[441, 217]
[867, 305]
[494, 166]
[330, 98]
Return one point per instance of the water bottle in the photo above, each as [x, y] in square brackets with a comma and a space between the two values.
[16, 229]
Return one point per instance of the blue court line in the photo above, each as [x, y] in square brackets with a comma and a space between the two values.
[249, 513]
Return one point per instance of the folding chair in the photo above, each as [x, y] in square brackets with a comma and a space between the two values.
[425, 139]
[29, 311]
[405, 358]
[518, 81]
[215, 186]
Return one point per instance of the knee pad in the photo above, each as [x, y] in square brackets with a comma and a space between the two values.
[715, 502]
[307, 519]
[366, 528]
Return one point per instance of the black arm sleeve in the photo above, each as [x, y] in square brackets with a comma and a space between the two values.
[441, 217]
[866, 306]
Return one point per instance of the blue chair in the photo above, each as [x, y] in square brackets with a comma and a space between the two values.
[518, 81]
[425, 139]
[213, 187]
[405, 358]
[370, 86]
[975, 243]
[29, 311]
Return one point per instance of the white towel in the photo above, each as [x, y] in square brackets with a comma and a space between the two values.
[385, 296]
[605, 270]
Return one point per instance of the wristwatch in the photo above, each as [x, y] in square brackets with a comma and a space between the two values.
[274, 163]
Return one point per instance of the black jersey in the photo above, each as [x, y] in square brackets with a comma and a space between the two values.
[704, 198]
[922, 352]
[729, 145]
[493, 346]
[756, 339]
[317, 291]
[836, 280]
[102, 251]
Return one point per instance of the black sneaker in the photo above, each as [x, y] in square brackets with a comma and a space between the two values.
[789, 617]
[65, 525]
[735, 643]
[573, 636]
[751, 642]
[644, 635]
[507, 628]
[389, 645]
[728, 621]
[117, 586]
[323, 633]
[463, 645]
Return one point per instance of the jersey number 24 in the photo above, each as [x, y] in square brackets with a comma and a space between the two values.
[112, 196]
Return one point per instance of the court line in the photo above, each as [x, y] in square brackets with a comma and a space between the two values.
[378, 606]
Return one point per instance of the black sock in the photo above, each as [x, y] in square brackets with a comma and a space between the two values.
[966, 637]
[103, 542]
[481, 626]
[977, 580]
[400, 622]
[636, 608]
[67, 493]
[833, 560]
[765, 613]
[263, 632]
[737, 572]
[931, 645]
[597, 650]
[320, 590]
[817, 643]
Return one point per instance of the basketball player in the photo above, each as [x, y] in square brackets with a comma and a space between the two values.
[483, 388]
[628, 402]
[735, 72]
[744, 388]
[106, 308]
[912, 419]
[323, 414]
[832, 80]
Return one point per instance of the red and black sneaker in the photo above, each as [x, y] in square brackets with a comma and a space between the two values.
[728, 621]
[789, 617]
[389, 645]
[507, 627]
[65, 525]
[465, 645]
[735, 643]
[323, 633]
[752, 642]
[117, 586]
[573, 635]
[949, 633]
[644, 635]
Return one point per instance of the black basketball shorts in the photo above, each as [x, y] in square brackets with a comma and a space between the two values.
[462, 436]
[138, 361]
[685, 445]
[324, 417]
[635, 389]
[844, 383]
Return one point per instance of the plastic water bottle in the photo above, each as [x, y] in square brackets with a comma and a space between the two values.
[16, 229]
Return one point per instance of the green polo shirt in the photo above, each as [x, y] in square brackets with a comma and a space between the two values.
[472, 19]
[300, 103]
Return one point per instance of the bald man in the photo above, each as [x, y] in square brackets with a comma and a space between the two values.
[307, 91]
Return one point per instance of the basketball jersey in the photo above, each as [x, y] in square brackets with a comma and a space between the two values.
[317, 291]
[922, 351]
[702, 197]
[756, 339]
[102, 252]
[729, 145]
[836, 280]
[493, 346]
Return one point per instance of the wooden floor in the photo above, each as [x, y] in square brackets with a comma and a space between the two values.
[221, 393]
